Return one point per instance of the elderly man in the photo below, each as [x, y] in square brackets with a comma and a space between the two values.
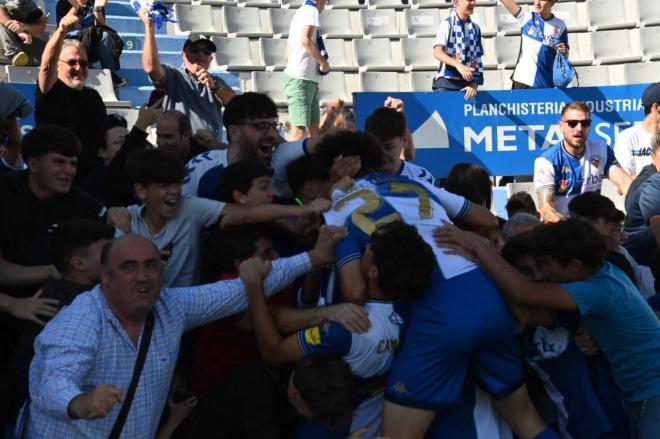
[20, 20]
[575, 165]
[63, 99]
[190, 88]
[84, 358]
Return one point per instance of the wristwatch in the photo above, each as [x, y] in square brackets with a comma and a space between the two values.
[100, 9]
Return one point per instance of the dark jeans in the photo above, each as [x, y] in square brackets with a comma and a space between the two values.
[14, 45]
[645, 418]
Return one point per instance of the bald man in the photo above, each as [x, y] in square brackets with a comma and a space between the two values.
[84, 358]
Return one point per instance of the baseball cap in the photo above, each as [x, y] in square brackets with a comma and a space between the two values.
[651, 95]
[193, 38]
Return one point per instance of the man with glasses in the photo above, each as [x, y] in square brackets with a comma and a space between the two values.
[63, 99]
[575, 165]
[190, 88]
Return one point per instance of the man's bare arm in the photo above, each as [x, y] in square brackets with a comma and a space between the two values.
[620, 178]
[49, 59]
[549, 213]
[150, 59]
[511, 6]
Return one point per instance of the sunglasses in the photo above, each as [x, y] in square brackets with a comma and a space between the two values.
[75, 62]
[205, 50]
[586, 123]
[264, 126]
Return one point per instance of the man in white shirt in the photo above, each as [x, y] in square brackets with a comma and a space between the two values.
[305, 62]
[633, 145]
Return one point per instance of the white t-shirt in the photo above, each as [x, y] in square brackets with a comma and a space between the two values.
[300, 64]
[182, 235]
[633, 149]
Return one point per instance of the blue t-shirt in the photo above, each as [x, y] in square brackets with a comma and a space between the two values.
[625, 327]
[640, 242]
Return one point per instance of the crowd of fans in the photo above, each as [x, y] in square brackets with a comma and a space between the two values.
[320, 287]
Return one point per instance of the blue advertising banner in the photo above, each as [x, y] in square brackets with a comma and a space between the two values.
[504, 131]
[28, 91]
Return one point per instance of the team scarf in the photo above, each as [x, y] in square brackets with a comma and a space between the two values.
[319, 39]
[160, 13]
[465, 45]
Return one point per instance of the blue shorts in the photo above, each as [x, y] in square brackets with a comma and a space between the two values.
[460, 326]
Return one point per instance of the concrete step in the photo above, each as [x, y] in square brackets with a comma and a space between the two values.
[135, 41]
[132, 59]
[130, 25]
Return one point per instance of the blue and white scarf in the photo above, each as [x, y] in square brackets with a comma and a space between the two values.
[319, 39]
[464, 44]
[160, 13]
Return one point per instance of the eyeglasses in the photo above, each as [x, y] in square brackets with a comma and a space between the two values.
[75, 62]
[264, 126]
[586, 123]
[205, 50]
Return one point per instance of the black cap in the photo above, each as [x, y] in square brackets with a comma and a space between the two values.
[193, 38]
[651, 95]
[116, 120]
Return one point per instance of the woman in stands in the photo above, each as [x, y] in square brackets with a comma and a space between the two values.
[542, 36]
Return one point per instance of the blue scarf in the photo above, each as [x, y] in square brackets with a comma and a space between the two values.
[319, 40]
[465, 45]
[160, 13]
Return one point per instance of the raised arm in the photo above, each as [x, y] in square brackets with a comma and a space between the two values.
[49, 59]
[150, 59]
[511, 6]
[233, 214]
[312, 49]
[620, 178]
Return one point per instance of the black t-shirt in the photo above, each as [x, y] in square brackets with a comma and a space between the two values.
[83, 112]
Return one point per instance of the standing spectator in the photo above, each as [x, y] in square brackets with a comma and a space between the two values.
[633, 145]
[189, 88]
[84, 358]
[20, 22]
[63, 99]
[304, 61]
[458, 48]
[542, 36]
[102, 43]
[575, 165]
[13, 106]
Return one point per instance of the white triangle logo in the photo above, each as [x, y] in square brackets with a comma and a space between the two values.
[432, 133]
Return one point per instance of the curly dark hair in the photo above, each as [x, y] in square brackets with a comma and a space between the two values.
[146, 166]
[352, 143]
[404, 260]
[326, 384]
[570, 239]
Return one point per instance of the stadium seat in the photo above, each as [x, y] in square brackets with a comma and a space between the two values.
[379, 81]
[217, 2]
[22, 75]
[421, 81]
[610, 14]
[650, 37]
[580, 51]
[493, 80]
[616, 46]
[514, 188]
[593, 76]
[424, 22]
[333, 85]
[485, 18]
[195, 19]
[506, 50]
[506, 79]
[417, 54]
[345, 4]
[244, 22]
[337, 24]
[641, 73]
[388, 4]
[292, 3]
[280, 21]
[505, 22]
[609, 190]
[101, 81]
[270, 83]
[380, 23]
[374, 55]
[339, 58]
[260, 3]
[489, 58]
[574, 15]
[272, 52]
[234, 54]
[432, 4]
[649, 12]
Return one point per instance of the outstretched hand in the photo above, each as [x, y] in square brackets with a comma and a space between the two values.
[253, 271]
[324, 250]
[458, 241]
[31, 308]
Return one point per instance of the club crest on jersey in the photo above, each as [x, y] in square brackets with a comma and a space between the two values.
[595, 160]
[399, 388]
[563, 186]
[313, 336]
[395, 318]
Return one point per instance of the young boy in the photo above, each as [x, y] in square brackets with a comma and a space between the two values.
[622, 323]
[397, 264]
[174, 223]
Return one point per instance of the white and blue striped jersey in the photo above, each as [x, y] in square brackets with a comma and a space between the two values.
[416, 172]
[570, 176]
[537, 52]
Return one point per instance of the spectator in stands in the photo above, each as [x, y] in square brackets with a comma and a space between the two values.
[642, 223]
[189, 88]
[174, 135]
[458, 48]
[101, 42]
[337, 115]
[390, 127]
[575, 165]
[63, 99]
[21, 21]
[521, 202]
[14, 106]
[84, 357]
[542, 36]
[633, 145]
[622, 323]
[305, 61]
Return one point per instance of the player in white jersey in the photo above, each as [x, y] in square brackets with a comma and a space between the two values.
[633, 145]
[397, 264]
[575, 165]
[542, 36]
